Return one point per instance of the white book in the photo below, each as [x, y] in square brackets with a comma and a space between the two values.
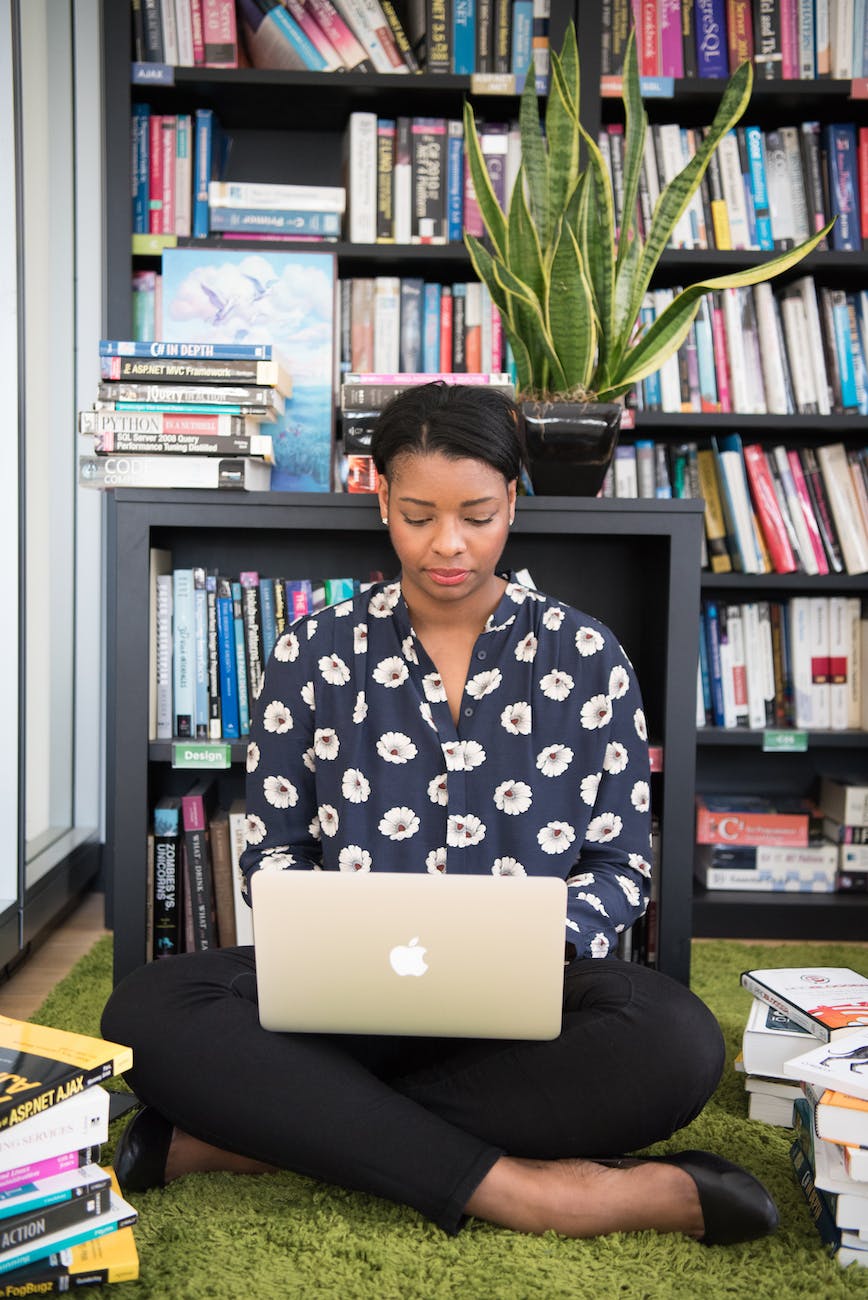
[732, 185]
[184, 29]
[237, 845]
[818, 625]
[671, 160]
[767, 658]
[159, 471]
[372, 31]
[816, 355]
[161, 632]
[801, 227]
[738, 496]
[645, 475]
[842, 36]
[831, 1064]
[80, 1121]
[402, 183]
[845, 508]
[795, 326]
[360, 169]
[800, 660]
[650, 175]
[773, 375]
[779, 189]
[170, 32]
[387, 323]
[670, 380]
[831, 1002]
[839, 665]
[267, 196]
[855, 664]
[769, 1039]
[768, 1109]
[846, 801]
[738, 663]
[736, 351]
[727, 659]
[184, 175]
[754, 650]
[626, 472]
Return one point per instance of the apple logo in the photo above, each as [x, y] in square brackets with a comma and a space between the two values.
[408, 959]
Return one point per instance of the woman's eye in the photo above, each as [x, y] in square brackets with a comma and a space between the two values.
[415, 523]
[480, 522]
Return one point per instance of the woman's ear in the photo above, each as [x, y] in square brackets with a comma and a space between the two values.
[511, 489]
[383, 494]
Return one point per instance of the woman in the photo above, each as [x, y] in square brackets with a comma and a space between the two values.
[451, 721]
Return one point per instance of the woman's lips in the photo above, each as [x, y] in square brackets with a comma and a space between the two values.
[447, 577]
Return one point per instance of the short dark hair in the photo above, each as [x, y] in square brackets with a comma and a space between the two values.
[472, 421]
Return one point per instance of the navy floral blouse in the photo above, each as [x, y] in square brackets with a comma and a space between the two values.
[355, 764]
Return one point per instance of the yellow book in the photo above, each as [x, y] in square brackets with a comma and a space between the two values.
[40, 1067]
[715, 526]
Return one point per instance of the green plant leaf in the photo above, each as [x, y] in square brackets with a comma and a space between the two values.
[492, 213]
[571, 311]
[562, 137]
[534, 160]
[525, 297]
[524, 254]
[596, 236]
[635, 128]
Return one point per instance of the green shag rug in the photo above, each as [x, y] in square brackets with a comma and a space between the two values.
[282, 1235]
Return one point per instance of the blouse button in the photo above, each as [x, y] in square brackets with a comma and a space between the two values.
[481, 654]
[468, 712]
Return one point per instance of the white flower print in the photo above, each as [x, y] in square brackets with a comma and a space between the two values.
[395, 747]
[277, 859]
[252, 756]
[616, 757]
[355, 786]
[313, 829]
[325, 743]
[463, 755]
[593, 901]
[619, 682]
[640, 796]
[437, 791]
[408, 650]
[334, 670]
[516, 718]
[507, 867]
[399, 823]
[360, 708]
[279, 792]
[308, 696]
[588, 641]
[254, 829]
[312, 626]
[638, 863]
[525, 651]
[596, 712]
[631, 890]
[639, 724]
[327, 816]
[556, 837]
[554, 759]
[381, 605]
[391, 672]
[425, 712]
[277, 718]
[344, 608]
[588, 789]
[604, 828]
[513, 797]
[484, 683]
[354, 858]
[552, 618]
[435, 861]
[516, 592]
[360, 638]
[432, 685]
[309, 759]
[286, 648]
[556, 685]
[463, 831]
[599, 946]
[586, 878]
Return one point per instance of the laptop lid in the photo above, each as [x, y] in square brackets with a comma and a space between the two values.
[432, 955]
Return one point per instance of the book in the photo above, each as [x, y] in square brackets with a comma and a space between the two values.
[840, 1244]
[252, 474]
[212, 399]
[221, 867]
[39, 1209]
[42, 1067]
[852, 535]
[846, 801]
[274, 39]
[81, 1120]
[18, 1176]
[769, 1039]
[768, 868]
[830, 1002]
[838, 1116]
[196, 806]
[237, 845]
[768, 509]
[212, 370]
[429, 163]
[94, 1262]
[849, 1199]
[228, 669]
[120, 1214]
[767, 1106]
[167, 913]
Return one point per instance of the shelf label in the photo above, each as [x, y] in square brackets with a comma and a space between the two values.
[492, 83]
[152, 245]
[785, 742]
[612, 86]
[201, 754]
[153, 74]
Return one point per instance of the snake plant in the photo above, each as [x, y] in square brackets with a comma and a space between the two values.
[570, 287]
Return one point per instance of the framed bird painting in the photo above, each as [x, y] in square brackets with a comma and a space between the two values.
[284, 298]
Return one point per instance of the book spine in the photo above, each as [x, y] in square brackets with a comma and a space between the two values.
[361, 172]
[739, 32]
[167, 919]
[152, 31]
[454, 181]
[200, 650]
[221, 863]
[183, 661]
[292, 221]
[215, 729]
[386, 129]
[371, 29]
[307, 24]
[759, 190]
[340, 35]
[767, 509]
[841, 162]
[197, 32]
[521, 49]
[227, 661]
[163, 657]
[269, 629]
[710, 32]
[253, 631]
[429, 180]
[16, 1177]
[785, 1006]
[399, 35]
[768, 48]
[219, 34]
[463, 37]
[197, 865]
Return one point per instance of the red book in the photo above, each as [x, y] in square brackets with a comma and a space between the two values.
[721, 356]
[790, 40]
[168, 139]
[220, 33]
[196, 809]
[808, 512]
[767, 509]
[647, 37]
[753, 820]
[862, 170]
[739, 32]
[198, 32]
[446, 317]
[155, 174]
[496, 340]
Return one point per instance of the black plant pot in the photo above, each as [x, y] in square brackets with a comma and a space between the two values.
[570, 445]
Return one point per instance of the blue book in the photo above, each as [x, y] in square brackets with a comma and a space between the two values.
[227, 658]
[191, 349]
[712, 632]
[266, 607]
[268, 25]
[860, 38]
[120, 1214]
[704, 673]
[283, 221]
[651, 383]
[200, 621]
[210, 151]
[709, 17]
[141, 154]
[759, 189]
[240, 660]
[522, 41]
[708, 397]
[844, 350]
[411, 325]
[455, 182]
[860, 358]
[464, 37]
[299, 598]
[183, 652]
[431, 329]
[841, 160]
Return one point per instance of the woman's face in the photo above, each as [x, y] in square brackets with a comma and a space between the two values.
[448, 521]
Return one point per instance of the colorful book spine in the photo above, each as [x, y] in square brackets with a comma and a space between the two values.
[710, 35]
[183, 653]
[240, 660]
[200, 653]
[759, 190]
[167, 893]
[227, 660]
[841, 162]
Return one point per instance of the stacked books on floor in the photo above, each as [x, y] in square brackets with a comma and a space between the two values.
[830, 1115]
[363, 396]
[789, 844]
[63, 1222]
[187, 415]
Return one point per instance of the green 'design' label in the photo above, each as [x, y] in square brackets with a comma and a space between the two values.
[193, 754]
[783, 742]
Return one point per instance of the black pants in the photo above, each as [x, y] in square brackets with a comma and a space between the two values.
[419, 1121]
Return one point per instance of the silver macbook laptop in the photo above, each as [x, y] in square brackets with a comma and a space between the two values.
[434, 955]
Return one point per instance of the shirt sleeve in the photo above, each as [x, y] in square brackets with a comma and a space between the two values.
[282, 828]
[609, 886]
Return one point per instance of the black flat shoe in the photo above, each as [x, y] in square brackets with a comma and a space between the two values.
[140, 1155]
[735, 1205]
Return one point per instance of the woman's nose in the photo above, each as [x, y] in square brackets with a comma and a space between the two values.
[449, 538]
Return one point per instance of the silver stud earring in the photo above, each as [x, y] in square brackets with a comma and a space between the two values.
[385, 520]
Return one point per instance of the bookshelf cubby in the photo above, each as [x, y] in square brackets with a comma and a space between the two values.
[634, 564]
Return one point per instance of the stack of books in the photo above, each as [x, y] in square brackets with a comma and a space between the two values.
[830, 1150]
[252, 210]
[63, 1222]
[363, 396]
[844, 805]
[770, 1038]
[756, 843]
[186, 415]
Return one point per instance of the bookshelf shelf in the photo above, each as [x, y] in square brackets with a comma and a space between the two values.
[726, 914]
[741, 738]
[845, 583]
